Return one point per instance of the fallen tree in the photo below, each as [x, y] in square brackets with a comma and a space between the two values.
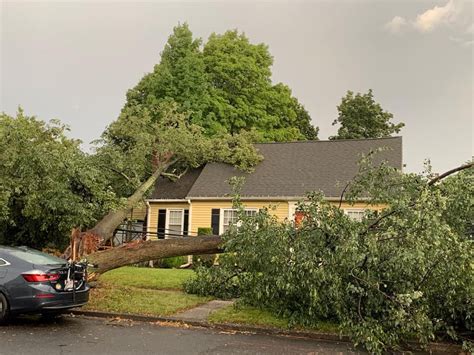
[138, 146]
[396, 276]
[143, 251]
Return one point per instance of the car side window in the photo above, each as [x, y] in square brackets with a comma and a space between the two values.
[3, 262]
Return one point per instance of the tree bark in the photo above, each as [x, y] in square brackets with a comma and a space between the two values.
[134, 253]
[107, 225]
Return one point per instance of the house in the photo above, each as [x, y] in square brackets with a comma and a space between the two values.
[201, 198]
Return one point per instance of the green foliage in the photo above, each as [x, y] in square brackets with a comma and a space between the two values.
[406, 273]
[225, 87]
[171, 263]
[361, 117]
[136, 144]
[47, 184]
[204, 231]
[205, 260]
[180, 77]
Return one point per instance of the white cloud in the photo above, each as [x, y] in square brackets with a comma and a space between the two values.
[396, 25]
[438, 15]
[454, 15]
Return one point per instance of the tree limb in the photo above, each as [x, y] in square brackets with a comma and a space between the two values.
[450, 172]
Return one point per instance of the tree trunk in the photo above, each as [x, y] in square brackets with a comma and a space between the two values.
[151, 250]
[107, 225]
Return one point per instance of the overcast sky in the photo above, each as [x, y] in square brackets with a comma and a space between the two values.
[75, 60]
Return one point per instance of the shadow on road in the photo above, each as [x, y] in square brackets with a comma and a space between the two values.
[38, 321]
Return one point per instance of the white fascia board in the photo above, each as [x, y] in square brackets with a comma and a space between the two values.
[169, 200]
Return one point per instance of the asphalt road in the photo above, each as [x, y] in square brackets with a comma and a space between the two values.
[78, 335]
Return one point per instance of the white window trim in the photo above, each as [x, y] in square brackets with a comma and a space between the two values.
[167, 224]
[221, 216]
[347, 210]
[6, 262]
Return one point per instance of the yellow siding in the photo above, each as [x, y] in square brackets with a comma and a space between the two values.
[155, 206]
[200, 213]
[200, 210]
[138, 212]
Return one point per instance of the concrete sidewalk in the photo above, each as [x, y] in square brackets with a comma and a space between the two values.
[201, 313]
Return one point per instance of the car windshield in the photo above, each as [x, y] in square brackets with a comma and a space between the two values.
[36, 257]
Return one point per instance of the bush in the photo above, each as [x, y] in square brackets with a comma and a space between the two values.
[205, 260]
[171, 263]
[404, 274]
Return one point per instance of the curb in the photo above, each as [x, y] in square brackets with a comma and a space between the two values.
[433, 348]
[220, 326]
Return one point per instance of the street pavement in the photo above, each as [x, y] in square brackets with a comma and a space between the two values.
[80, 335]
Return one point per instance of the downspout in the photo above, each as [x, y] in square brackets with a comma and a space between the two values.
[150, 263]
[147, 218]
[190, 257]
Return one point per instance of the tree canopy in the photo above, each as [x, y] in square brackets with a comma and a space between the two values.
[361, 117]
[224, 87]
[47, 184]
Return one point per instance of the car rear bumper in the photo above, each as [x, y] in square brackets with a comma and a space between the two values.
[64, 300]
[47, 299]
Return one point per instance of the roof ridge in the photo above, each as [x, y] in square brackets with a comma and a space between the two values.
[332, 140]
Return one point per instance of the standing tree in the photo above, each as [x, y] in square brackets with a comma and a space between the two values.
[180, 77]
[47, 184]
[361, 117]
[225, 87]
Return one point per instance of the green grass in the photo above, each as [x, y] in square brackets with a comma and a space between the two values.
[254, 316]
[148, 278]
[143, 291]
[110, 298]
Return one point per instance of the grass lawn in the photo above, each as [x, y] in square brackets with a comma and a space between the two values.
[148, 278]
[143, 291]
[254, 316]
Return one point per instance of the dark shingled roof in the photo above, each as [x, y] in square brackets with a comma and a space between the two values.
[288, 170]
[295, 168]
[167, 189]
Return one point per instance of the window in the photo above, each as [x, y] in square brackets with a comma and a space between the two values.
[355, 213]
[231, 217]
[175, 223]
[36, 257]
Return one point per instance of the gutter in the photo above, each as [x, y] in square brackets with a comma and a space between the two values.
[168, 200]
[147, 218]
[261, 198]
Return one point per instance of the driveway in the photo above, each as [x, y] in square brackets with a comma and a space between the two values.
[78, 335]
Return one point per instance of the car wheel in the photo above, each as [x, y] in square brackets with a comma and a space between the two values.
[4, 308]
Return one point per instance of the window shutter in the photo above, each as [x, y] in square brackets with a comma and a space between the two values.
[186, 223]
[161, 223]
[215, 220]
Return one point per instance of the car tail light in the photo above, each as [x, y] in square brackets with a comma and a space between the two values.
[40, 277]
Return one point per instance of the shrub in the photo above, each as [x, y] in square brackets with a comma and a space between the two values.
[205, 260]
[171, 263]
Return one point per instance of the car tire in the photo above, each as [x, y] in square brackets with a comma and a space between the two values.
[4, 309]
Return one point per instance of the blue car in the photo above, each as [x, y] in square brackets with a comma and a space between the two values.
[35, 282]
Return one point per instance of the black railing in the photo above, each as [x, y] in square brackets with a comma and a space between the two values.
[128, 235]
